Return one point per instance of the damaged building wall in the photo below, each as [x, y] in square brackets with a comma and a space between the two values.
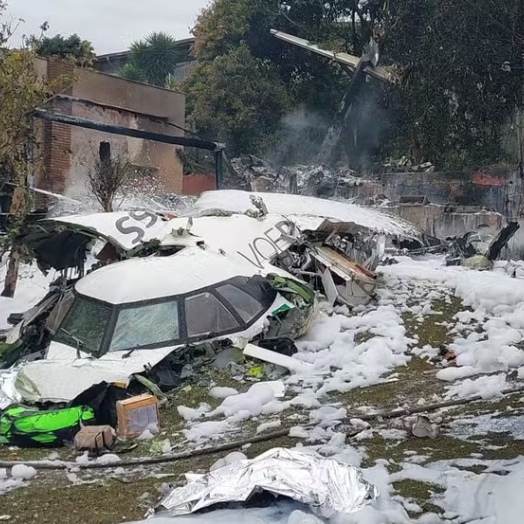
[492, 188]
[437, 221]
[196, 184]
[445, 204]
[69, 152]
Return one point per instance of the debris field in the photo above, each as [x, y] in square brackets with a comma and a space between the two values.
[339, 338]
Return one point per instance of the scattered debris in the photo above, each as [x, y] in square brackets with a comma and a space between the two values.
[324, 484]
[421, 427]
[167, 295]
[240, 272]
[95, 439]
[275, 358]
[136, 415]
[404, 164]
[479, 249]
[255, 174]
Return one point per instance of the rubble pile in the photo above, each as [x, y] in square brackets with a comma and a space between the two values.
[479, 249]
[404, 164]
[256, 174]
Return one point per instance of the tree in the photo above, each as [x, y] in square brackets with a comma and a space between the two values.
[238, 99]
[21, 91]
[132, 72]
[72, 48]
[313, 87]
[108, 177]
[153, 60]
[460, 65]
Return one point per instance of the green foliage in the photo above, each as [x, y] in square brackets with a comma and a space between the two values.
[309, 84]
[131, 72]
[461, 70]
[21, 91]
[153, 60]
[459, 65]
[72, 48]
[237, 98]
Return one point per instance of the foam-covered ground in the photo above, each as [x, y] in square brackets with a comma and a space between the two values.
[383, 356]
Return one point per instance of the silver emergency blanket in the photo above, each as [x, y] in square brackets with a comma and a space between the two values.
[8, 392]
[324, 484]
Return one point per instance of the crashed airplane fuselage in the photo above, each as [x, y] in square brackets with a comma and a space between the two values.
[162, 286]
[145, 315]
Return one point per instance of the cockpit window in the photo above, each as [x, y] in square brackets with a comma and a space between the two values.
[145, 326]
[98, 328]
[85, 325]
[206, 315]
[245, 305]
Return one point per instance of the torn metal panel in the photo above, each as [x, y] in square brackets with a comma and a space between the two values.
[330, 288]
[326, 485]
[501, 240]
[8, 392]
[479, 249]
[278, 359]
[356, 285]
[382, 73]
[62, 243]
[124, 230]
[63, 376]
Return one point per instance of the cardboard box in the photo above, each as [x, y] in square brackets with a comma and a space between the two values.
[135, 415]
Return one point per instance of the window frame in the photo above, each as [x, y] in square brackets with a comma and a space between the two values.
[233, 310]
[111, 326]
[76, 297]
[240, 282]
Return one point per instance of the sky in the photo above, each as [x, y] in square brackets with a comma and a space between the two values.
[111, 25]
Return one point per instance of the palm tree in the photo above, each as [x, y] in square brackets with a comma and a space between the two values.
[132, 72]
[153, 59]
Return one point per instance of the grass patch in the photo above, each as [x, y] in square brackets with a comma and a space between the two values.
[419, 492]
[444, 447]
[434, 330]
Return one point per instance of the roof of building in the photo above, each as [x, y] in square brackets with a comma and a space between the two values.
[124, 54]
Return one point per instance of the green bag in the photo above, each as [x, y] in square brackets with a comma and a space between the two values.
[30, 428]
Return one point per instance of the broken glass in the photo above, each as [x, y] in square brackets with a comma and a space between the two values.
[146, 326]
[59, 312]
[85, 325]
[245, 305]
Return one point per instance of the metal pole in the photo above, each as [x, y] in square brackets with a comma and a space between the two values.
[126, 131]
[219, 168]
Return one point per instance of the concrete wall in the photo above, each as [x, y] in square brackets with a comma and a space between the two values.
[494, 188]
[437, 222]
[70, 152]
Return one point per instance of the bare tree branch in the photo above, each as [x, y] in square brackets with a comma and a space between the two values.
[108, 178]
